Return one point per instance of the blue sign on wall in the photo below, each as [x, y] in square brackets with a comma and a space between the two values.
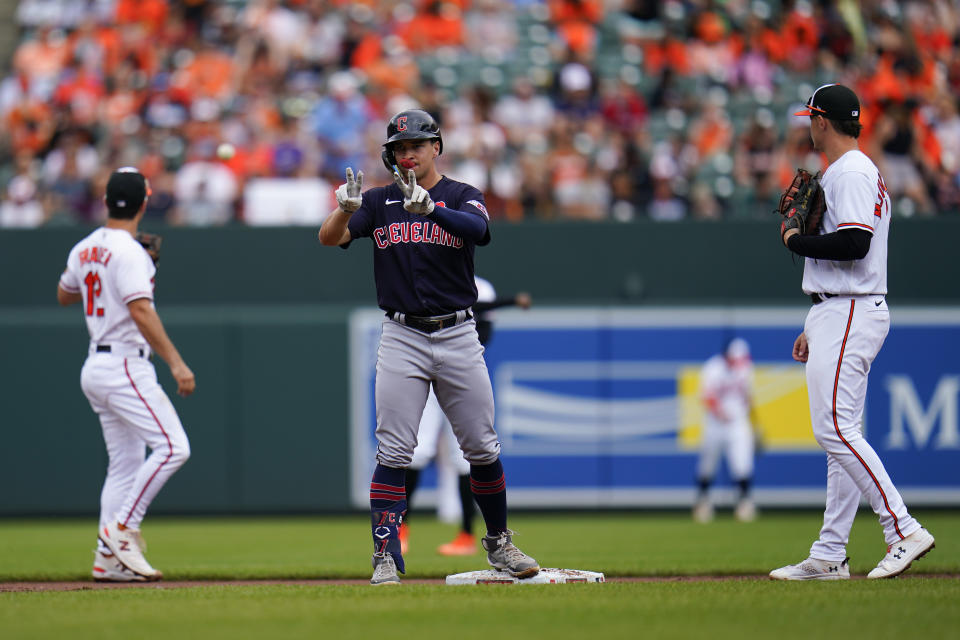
[599, 407]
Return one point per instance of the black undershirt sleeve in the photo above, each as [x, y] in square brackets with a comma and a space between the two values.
[847, 244]
[483, 307]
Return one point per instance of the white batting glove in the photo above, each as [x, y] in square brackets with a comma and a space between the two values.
[415, 198]
[348, 195]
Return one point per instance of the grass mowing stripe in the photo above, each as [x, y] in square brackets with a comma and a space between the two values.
[735, 609]
[618, 544]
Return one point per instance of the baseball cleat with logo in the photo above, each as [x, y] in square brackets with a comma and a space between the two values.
[814, 569]
[504, 556]
[902, 554]
[384, 570]
[106, 568]
[127, 546]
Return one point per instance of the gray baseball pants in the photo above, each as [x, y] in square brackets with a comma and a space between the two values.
[451, 359]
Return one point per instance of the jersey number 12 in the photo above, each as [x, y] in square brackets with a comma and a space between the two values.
[93, 290]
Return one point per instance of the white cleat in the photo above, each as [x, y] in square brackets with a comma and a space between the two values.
[503, 555]
[902, 554]
[813, 569]
[106, 568]
[384, 570]
[127, 547]
[703, 511]
[745, 511]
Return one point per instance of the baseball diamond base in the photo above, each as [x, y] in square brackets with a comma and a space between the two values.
[546, 576]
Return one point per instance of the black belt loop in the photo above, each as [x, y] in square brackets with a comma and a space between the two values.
[820, 297]
[429, 324]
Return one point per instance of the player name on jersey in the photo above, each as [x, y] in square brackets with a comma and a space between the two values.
[100, 255]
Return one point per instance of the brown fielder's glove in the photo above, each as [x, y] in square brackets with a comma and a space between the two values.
[802, 204]
[151, 242]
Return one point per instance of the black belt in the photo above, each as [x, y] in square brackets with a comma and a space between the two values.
[820, 297]
[105, 348]
[427, 324]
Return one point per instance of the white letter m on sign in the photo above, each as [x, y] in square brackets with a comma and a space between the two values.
[907, 414]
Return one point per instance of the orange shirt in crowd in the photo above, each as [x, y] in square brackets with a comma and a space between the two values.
[210, 73]
[668, 52]
[41, 58]
[150, 13]
[428, 31]
[584, 11]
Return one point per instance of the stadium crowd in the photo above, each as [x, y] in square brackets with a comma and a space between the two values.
[248, 111]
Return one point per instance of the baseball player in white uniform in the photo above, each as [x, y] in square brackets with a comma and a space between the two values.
[845, 273]
[726, 384]
[112, 276]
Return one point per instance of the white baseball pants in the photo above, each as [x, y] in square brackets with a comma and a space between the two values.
[844, 335]
[135, 413]
[735, 439]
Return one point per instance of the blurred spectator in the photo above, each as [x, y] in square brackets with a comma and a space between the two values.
[623, 107]
[665, 206]
[20, 208]
[576, 23]
[437, 24]
[338, 121]
[898, 139]
[755, 158]
[576, 91]
[562, 108]
[524, 114]
[205, 189]
[491, 29]
[69, 194]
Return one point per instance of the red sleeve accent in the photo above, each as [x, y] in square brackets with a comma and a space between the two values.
[859, 225]
[136, 296]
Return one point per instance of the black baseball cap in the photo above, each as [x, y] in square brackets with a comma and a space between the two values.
[833, 102]
[127, 188]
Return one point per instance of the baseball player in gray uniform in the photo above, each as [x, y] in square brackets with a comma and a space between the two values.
[845, 273]
[424, 229]
[112, 275]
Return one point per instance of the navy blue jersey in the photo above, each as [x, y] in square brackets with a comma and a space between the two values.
[420, 269]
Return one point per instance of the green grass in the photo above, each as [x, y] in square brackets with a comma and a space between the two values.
[643, 543]
[619, 544]
[917, 608]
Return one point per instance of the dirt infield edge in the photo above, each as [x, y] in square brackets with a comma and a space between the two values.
[26, 587]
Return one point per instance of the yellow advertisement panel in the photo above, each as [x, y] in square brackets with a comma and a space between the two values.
[780, 408]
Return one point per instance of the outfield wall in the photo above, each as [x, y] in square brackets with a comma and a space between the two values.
[263, 318]
[600, 407]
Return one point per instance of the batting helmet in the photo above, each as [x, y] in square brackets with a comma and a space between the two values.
[413, 124]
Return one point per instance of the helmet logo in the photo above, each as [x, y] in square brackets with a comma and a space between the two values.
[402, 123]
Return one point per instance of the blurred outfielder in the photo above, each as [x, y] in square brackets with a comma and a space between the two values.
[726, 389]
